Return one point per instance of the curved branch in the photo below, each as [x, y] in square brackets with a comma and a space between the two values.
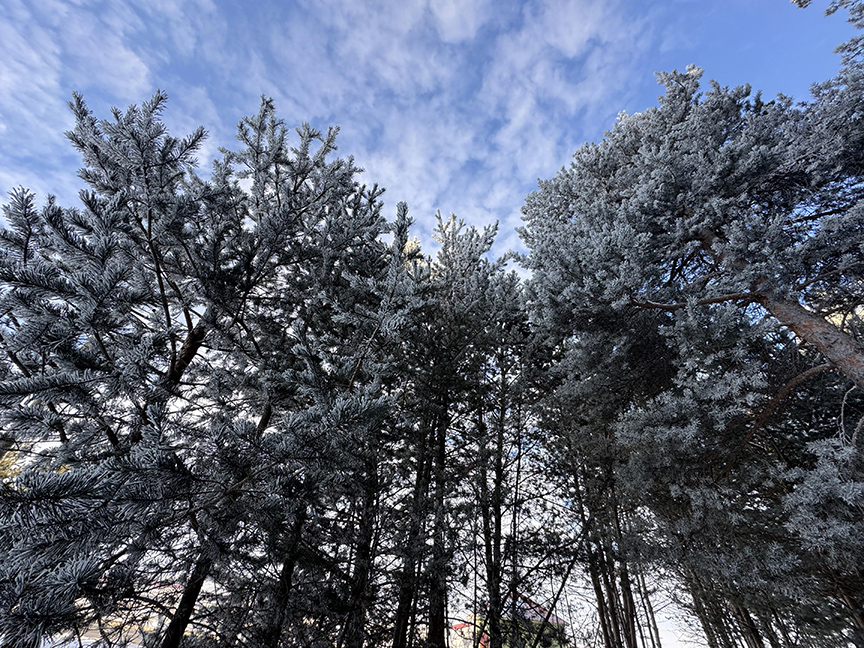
[837, 346]
[772, 406]
[742, 296]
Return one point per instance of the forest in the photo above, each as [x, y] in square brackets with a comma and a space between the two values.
[246, 408]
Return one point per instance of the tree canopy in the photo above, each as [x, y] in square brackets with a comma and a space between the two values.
[245, 408]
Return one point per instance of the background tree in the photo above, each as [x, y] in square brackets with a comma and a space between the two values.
[442, 351]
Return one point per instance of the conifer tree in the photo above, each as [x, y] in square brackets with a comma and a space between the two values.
[191, 383]
[443, 347]
[723, 234]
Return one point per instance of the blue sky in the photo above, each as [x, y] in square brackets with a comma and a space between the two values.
[452, 105]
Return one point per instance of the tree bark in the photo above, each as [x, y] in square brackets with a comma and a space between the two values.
[187, 353]
[404, 604]
[273, 630]
[712, 614]
[408, 577]
[183, 613]
[491, 505]
[612, 599]
[747, 625]
[629, 618]
[629, 606]
[354, 635]
[437, 637]
[838, 347]
[645, 595]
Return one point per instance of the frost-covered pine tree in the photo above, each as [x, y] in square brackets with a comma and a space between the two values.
[715, 241]
[189, 380]
[446, 315]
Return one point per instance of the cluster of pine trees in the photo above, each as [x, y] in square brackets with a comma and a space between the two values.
[248, 410]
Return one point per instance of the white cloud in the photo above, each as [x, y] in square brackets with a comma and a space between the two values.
[570, 27]
[195, 27]
[457, 106]
[457, 20]
[108, 51]
[93, 45]
[32, 106]
[559, 62]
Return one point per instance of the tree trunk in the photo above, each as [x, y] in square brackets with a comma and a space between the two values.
[183, 613]
[629, 606]
[437, 637]
[711, 615]
[768, 631]
[645, 595]
[404, 604]
[747, 626]
[276, 620]
[491, 513]
[629, 618]
[612, 599]
[356, 623]
[603, 612]
[839, 348]
[516, 639]
[408, 577]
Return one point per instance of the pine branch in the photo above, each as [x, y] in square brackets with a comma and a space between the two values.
[743, 296]
[187, 353]
[772, 406]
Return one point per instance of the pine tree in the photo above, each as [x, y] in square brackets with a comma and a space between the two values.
[713, 244]
[442, 350]
[190, 384]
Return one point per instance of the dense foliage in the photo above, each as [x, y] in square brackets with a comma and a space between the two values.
[247, 410]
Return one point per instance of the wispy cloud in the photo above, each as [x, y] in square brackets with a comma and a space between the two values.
[454, 105]
[459, 21]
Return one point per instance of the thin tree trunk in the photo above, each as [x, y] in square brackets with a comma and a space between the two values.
[629, 618]
[491, 513]
[649, 610]
[404, 604]
[412, 633]
[781, 625]
[355, 624]
[554, 602]
[704, 619]
[629, 607]
[603, 611]
[768, 631]
[437, 637]
[183, 613]
[408, 577]
[748, 628]
[515, 636]
[612, 601]
[276, 619]
[856, 611]
[713, 620]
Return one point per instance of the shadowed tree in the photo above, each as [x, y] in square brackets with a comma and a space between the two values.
[189, 382]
